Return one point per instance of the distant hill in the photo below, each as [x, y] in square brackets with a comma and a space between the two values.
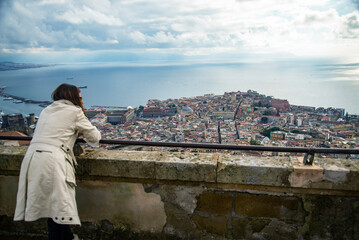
[6, 66]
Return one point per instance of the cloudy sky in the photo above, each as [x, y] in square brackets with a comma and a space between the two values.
[178, 30]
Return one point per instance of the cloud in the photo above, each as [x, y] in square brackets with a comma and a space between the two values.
[112, 41]
[356, 3]
[28, 50]
[138, 37]
[189, 27]
[86, 15]
[350, 26]
[320, 17]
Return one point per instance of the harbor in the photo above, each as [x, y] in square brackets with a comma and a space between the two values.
[17, 99]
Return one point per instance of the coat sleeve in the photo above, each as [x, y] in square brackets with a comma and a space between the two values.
[91, 135]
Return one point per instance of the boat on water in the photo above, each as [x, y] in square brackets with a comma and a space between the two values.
[18, 101]
[69, 78]
[82, 86]
[8, 98]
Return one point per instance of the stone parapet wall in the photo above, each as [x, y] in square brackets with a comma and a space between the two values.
[162, 195]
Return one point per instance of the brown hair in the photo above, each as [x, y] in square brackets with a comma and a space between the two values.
[68, 92]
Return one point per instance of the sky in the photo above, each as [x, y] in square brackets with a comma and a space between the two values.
[66, 31]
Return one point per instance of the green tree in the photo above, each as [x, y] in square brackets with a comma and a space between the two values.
[253, 142]
[264, 120]
[347, 118]
[139, 110]
[266, 132]
[267, 112]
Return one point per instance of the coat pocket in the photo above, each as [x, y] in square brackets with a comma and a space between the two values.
[70, 174]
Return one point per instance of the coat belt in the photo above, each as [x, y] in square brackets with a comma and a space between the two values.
[56, 143]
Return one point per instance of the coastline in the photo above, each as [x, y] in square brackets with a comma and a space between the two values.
[26, 100]
[110, 84]
[9, 66]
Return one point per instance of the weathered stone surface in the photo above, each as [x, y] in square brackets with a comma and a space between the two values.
[254, 170]
[212, 224]
[8, 191]
[186, 197]
[258, 205]
[11, 158]
[178, 223]
[13, 150]
[279, 230]
[339, 173]
[245, 228]
[331, 217]
[265, 206]
[185, 172]
[196, 167]
[179, 204]
[97, 231]
[356, 219]
[291, 203]
[118, 164]
[124, 204]
[239, 228]
[254, 200]
[216, 203]
[257, 225]
[336, 174]
[36, 229]
[329, 174]
[303, 176]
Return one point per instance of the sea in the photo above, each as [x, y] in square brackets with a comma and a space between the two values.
[119, 84]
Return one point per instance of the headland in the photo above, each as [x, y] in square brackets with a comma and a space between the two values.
[26, 100]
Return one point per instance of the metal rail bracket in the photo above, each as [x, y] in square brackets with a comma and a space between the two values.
[308, 161]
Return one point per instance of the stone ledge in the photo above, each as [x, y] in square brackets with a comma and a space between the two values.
[271, 171]
[211, 168]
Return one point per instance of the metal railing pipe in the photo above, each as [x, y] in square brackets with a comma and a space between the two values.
[211, 146]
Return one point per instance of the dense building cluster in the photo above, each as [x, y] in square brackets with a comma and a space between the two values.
[232, 118]
[235, 118]
[17, 120]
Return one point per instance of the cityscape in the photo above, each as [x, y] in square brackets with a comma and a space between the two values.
[241, 118]
[218, 119]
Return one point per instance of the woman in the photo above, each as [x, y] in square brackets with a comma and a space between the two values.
[47, 176]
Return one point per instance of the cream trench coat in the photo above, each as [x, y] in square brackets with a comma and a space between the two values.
[47, 175]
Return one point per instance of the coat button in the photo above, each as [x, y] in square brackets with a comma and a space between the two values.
[56, 218]
[62, 219]
[68, 149]
[70, 219]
